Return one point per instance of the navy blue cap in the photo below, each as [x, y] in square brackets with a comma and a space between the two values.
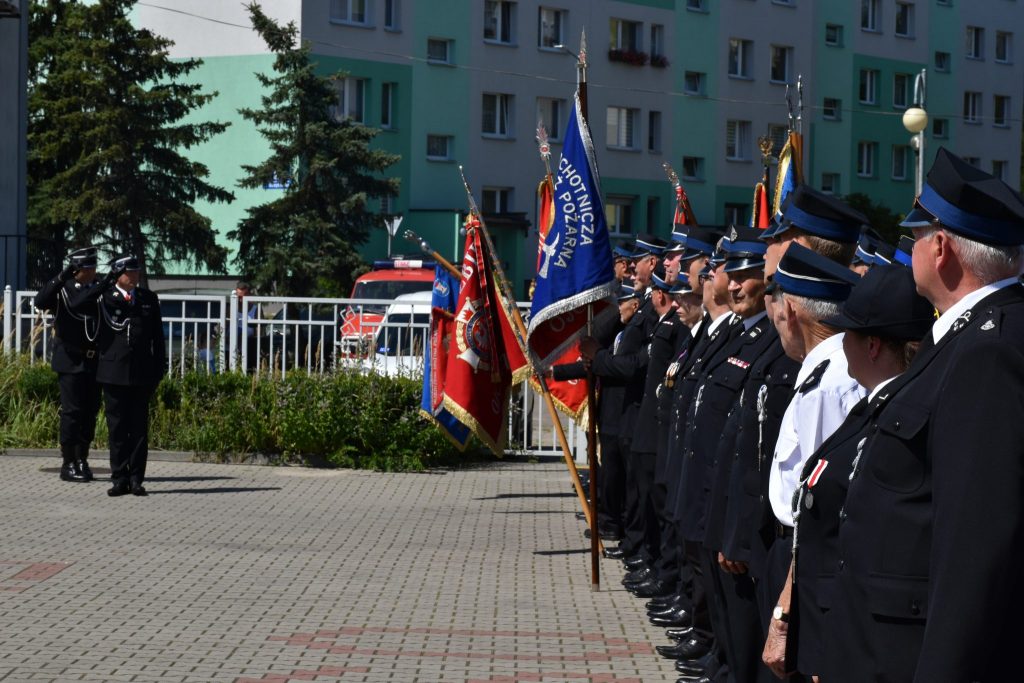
[884, 254]
[682, 285]
[969, 202]
[885, 303]
[125, 263]
[822, 215]
[866, 246]
[718, 256]
[658, 280]
[679, 233]
[904, 251]
[647, 244]
[744, 250]
[802, 272]
[700, 242]
[623, 249]
[774, 226]
[625, 293]
[83, 258]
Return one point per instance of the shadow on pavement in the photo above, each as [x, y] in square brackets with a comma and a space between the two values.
[528, 495]
[219, 489]
[153, 479]
[574, 551]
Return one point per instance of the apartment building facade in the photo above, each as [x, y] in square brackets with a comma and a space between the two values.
[693, 83]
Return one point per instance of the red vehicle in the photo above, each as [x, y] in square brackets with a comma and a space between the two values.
[387, 280]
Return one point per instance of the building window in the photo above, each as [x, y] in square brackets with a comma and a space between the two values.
[868, 90]
[833, 35]
[497, 115]
[391, 12]
[737, 140]
[940, 128]
[387, 204]
[900, 91]
[740, 52]
[551, 113]
[657, 40]
[618, 213]
[905, 19]
[439, 50]
[694, 83]
[496, 200]
[439, 147]
[349, 11]
[697, 5]
[387, 104]
[735, 214]
[870, 15]
[652, 215]
[550, 27]
[830, 183]
[499, 21]
[654, 131]
[832, 109]
[975, 42]
[693, 168]
[778, 134]
[866, 159]
[999, 169]
[1000, 111]
[622, 127]
[782, 58]
[900, 153]
[624, 35]
[1004, 47]
[351, 102]
[972, 107]
[942, 62]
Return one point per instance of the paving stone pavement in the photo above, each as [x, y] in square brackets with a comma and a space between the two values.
[250, 574]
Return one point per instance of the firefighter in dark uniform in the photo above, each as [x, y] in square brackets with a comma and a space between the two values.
[132, 361]
[931, 540]
[74, 361]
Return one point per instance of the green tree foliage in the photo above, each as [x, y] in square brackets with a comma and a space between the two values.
[107, 128]
[303, 243]
[881, 217]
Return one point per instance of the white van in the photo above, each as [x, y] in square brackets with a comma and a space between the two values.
[400, 342]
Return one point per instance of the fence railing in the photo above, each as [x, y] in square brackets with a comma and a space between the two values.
[281, 335]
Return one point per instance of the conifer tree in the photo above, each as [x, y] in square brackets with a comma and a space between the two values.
[304, 243]
[107, 140]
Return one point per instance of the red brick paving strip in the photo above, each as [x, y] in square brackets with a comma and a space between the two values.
[30, 575]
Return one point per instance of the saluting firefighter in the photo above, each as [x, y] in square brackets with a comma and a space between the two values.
[132, 360]
[74, 361]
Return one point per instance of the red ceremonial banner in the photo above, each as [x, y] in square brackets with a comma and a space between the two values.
[570, 396]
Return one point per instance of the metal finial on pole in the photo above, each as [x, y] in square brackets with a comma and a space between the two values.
[544, 146]
[427, 249]
[800, 104]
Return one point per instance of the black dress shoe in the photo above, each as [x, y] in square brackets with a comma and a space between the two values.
[68, 472]
[672, 607]
[137, 489]
[694, 648]
[582, 516]
[120, 488]
[83, 469]
[633, 561]
[638, 575]
[702, 666]
[689, 679]
[651, 589]
[662, 603]
[677, 619]
[615, 553]
[684, 633]
[604, 534]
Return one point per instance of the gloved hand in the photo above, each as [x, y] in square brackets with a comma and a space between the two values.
[67, 273]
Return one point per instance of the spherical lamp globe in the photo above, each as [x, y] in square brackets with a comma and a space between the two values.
[915, 120]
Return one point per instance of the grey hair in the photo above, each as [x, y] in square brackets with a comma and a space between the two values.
[987, 262]
[818, 309]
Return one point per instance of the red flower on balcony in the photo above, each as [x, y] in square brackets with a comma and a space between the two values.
[631, 57]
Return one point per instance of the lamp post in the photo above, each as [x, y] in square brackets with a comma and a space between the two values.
[392, 223]
[915, 120]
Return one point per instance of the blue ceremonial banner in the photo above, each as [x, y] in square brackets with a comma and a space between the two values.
[442, 323]
[576, 266]
[789, 171]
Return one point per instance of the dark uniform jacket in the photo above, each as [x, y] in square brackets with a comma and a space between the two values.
[703, 352]
[660, 350]
[610, 389]
[686, 341]
[624, 365]
[713, 424]
[766, 395]
[131, 337]
[928, 584]
[74, 344]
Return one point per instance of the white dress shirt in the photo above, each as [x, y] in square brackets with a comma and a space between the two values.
[810, 418]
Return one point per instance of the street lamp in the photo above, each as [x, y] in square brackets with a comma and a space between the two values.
[915, 120]
[392, 223]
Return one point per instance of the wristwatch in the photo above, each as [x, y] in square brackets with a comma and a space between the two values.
[780, 614]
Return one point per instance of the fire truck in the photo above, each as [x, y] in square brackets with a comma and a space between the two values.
[387, 281]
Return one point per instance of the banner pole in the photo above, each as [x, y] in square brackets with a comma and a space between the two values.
[520, 329]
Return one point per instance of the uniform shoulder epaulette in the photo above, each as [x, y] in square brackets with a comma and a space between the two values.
[814, 379]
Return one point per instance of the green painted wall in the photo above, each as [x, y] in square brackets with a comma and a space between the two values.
[826, 142]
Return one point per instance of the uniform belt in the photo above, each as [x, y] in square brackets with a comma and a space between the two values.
[88, 353]
[783, 531]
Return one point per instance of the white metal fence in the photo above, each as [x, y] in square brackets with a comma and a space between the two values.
[282, 335]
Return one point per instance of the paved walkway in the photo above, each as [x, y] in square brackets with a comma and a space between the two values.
[257, 574]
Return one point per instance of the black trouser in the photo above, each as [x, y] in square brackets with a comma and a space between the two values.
[644, 464]
[79, 405]
[744, 635]
[633, 538]
[611, 484]
[128, 423]
[671, 552]
[694, 577]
